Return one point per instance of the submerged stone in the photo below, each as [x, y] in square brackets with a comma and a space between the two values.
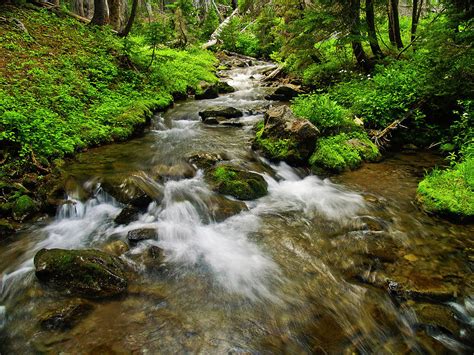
[243, 185]
[87, 273]
[205, 160]
[66, 316]
[117, 248]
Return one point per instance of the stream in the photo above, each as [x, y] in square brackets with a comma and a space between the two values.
[348, 264]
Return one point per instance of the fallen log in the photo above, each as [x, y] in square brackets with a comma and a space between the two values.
[215, 35]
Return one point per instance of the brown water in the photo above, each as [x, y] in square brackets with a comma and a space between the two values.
[347, 265]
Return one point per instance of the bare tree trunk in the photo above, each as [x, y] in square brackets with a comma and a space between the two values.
[130, 21]
[100, 17]
[357, 47]
[394, 24]
[117, 13]
[77, 7]
[415, 16]
[370, 18]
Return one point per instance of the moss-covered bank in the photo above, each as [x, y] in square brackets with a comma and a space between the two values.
[66, 86]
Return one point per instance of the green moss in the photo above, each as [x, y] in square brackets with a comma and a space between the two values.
[76, 86]
[240, 184]
[449, 192]
[343, 151]
[23, 206]
[276, 149]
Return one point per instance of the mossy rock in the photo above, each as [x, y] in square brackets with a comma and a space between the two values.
[343, 152]
[86, 273]
[243, 185]
[283, 136]
[24, 207]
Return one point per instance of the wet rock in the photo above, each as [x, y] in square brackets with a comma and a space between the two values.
[222, 208]
[137, 189]
[221, 111]
[210, 92]
[117, 248]
[86, 273]
[222, 121]
[435, 315]
[156, 253]
[24, 207]
[285, 137]
[414, 285]
[127, 215]
[205, 160]
[6, 228]
[66, 316]
[243, 185]
[139, 235]
[173, 172]
[285, 93]
[224, 88]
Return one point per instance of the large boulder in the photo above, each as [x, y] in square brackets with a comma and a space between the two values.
[285, 93]
[283, 136]
[87, 273]
[233, 181]
[173, 172]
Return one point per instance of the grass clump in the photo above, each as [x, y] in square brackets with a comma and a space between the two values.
[449, 192]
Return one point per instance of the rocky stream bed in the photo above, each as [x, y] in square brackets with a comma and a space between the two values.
[187, 240]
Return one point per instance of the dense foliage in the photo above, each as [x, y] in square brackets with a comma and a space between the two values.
[53, 103]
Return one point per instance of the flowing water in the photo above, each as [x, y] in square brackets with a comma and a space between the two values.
[313, 267]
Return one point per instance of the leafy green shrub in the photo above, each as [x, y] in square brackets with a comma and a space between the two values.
[323, 112]
[343, 151]
[449, 192]
[390, 94]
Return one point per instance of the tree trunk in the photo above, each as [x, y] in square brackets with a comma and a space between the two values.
[100, 17]
[77, 6]
[357, 47]
[130, 21]
[394, 24]
[415, 17]
[370, 18]
[116, 14]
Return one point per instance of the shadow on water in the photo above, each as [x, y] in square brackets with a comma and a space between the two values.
[316, 266]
